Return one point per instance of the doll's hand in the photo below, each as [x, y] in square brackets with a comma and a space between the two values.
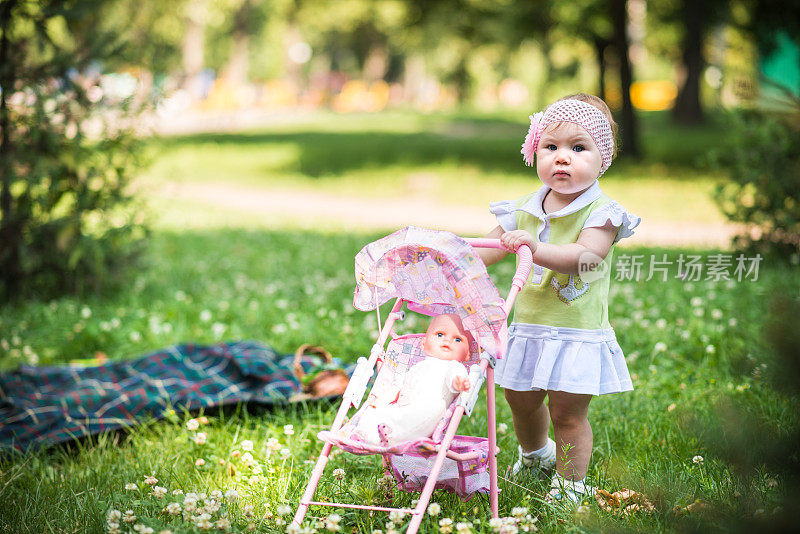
[514, 239]
[461, 383]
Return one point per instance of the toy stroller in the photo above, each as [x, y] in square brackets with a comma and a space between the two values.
[432, 273]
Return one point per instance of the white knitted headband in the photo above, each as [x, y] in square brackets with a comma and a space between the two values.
[584, 115]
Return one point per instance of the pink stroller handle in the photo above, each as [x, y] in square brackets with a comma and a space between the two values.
[523, 268]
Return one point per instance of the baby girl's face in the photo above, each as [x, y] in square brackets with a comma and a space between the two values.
[567, 160]
[446, 339]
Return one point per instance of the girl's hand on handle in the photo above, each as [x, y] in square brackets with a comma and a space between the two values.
[514, 239]
[460, 383]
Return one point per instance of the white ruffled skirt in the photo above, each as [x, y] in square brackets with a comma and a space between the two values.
[563, 359]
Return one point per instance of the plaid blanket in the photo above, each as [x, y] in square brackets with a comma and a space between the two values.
[41, 406]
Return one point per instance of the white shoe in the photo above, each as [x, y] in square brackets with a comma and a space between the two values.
[565, 490]
[531, 460]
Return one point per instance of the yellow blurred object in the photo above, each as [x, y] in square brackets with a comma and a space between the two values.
[278, 94]
[356, 95]
[654, 95]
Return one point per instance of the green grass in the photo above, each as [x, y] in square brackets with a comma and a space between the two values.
[695, 349]
[233, 284]
[463, 160]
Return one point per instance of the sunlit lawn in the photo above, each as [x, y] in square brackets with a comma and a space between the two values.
[688, 345]
[458, 159]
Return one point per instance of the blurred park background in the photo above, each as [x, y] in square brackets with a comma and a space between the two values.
[359, 114]
[203, 170]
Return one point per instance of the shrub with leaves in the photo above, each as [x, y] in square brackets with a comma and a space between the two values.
[67, 219]
[763, 193]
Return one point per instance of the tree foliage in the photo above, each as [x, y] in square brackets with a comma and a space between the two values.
[763, 193]
[66, 155]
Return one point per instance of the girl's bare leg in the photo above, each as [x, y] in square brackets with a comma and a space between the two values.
[574, 439]
[530, 416]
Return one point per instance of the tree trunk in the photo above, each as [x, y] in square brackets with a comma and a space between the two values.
[619, 17]
[600, 46]
[376, 63]
[9, 236]
[193, 46]
[236, 72]
[687, 109]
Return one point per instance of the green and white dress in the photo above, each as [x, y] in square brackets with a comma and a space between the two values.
[560, 338]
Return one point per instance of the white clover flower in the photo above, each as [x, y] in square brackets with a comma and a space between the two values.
[273, 444]
[696, 301]
[131, 486]
[446, 525]
[192, 424]
[338, 474]
[200, 438]
[150, 480]
[212, 507]
[396, 516]
[286, 453]
[231, 495]
[205, 316]
[223, 523]
[248, 510]
[283, 509]
[660, 347]
[293, 528]
[86, 312]
[159, 492]
[257, 470]
[464, 528]
[173, 508]
[377, 531]
[216, 495]
[191, 496]
[332, 523]
[716, 313]
[165, 531]
[502, 428]
[710, 349]
[203, 522]
[113, 528]
[698, 459]
[129, 517]
[190, 505]
[200, 462]
[177, 492]
[217, 329]
[288, 429]
[247, 458]
[519, 512]
[434, 509]
[247, 445]
[113, 516]
[386, 483]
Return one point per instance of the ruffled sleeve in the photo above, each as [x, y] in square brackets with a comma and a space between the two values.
[505, 210]
[613, 212]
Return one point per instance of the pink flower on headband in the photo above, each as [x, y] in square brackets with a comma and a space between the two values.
[532, 139]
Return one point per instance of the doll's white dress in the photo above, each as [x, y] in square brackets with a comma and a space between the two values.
[414, 411]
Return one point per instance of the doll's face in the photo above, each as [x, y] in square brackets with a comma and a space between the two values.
[447, 339]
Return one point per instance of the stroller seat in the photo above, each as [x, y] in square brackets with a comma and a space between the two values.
[402, 353]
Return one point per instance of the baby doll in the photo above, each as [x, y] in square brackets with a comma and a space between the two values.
[429, 388]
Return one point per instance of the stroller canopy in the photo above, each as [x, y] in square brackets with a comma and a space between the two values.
[436, 272]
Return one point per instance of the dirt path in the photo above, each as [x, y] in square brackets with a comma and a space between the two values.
[305, 209]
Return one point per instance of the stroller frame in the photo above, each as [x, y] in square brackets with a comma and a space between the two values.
[357, 386]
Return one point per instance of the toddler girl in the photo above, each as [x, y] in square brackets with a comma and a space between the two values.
[561, 344]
